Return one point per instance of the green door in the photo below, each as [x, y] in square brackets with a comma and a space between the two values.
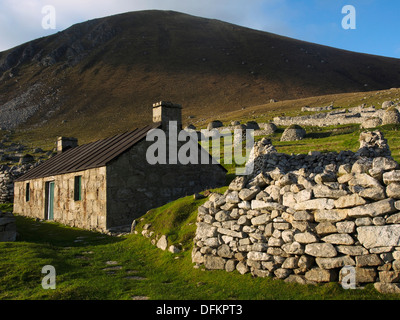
[50, 200]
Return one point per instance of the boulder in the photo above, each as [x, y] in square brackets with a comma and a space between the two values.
[391, 116]
[293, 133]
[162, 243]
[214, 125]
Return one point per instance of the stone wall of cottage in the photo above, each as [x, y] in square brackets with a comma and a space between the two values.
[88, 213]
[134, 186]
[304, 218]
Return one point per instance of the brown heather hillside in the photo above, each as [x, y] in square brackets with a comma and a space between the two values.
[102, 76]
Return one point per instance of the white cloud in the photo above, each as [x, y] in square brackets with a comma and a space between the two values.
[22, 19]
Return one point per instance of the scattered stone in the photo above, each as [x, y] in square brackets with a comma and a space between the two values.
[162, 243]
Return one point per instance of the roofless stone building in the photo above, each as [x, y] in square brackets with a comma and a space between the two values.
[105, 185]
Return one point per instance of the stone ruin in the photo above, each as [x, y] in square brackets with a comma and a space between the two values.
[367, 117]
[308, 218]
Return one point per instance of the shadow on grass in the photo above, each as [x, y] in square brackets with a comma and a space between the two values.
[45, 232]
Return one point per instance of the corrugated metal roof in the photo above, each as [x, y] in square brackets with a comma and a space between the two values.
[88, 156]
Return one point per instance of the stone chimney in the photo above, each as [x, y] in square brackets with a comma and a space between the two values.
[63, 144]
[165, 112]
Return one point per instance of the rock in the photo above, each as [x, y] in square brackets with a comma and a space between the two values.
[232, 197]
[379, 236]
[352, 250]
[133, 226]
[263, 205]
[371, 122]
[391, 177]
[268, 128]
[391, 116]
[387, 288]
[212, 242]
[294, 278]
[290, 263]
[293, 133]
[389, 276]
[248, 194]
[330, 215]
[282, 273]
[221, 216]
[230, 265]
[323, 191]
[162, 243]
[385, 164]
[305, 237]
[293, 248]
[261, 273]
[349, 201]
[242, 268]
[361, 166]
[345, 227]
[224, 251]
[362, 275]
[315, 204]
[238, 183]
[364, 180]
[373, 209]
[373, 193]
[324, 228]
[214, 263]
[336, 262]
[393, 190]
[368, 260]
[322, 250]
[258, 256]
[214, 124]
[174, 249]
[252, 125]
[320, 275]
[204, 230]
[387, 104]
[262, 219]
[395, 218]
[339, 238]
[231, 233]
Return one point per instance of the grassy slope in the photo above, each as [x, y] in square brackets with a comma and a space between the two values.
[208, 66]
[80, 275]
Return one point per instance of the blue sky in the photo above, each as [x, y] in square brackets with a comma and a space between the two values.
[318, 21]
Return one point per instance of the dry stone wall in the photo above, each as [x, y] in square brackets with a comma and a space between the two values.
[357, 115]
[305, 218]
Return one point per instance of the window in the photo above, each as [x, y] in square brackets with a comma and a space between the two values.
[27, 192]
[78, 188]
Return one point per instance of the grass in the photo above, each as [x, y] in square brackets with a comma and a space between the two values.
[80, 257]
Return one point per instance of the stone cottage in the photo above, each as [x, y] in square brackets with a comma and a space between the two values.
[105, 185]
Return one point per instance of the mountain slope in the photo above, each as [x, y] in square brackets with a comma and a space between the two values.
[106, 73]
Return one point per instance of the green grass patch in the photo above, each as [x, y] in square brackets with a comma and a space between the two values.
[142, 269]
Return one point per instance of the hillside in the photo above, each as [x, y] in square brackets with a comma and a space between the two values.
[101, 77]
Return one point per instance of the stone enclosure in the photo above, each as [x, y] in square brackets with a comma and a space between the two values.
[308, 218]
